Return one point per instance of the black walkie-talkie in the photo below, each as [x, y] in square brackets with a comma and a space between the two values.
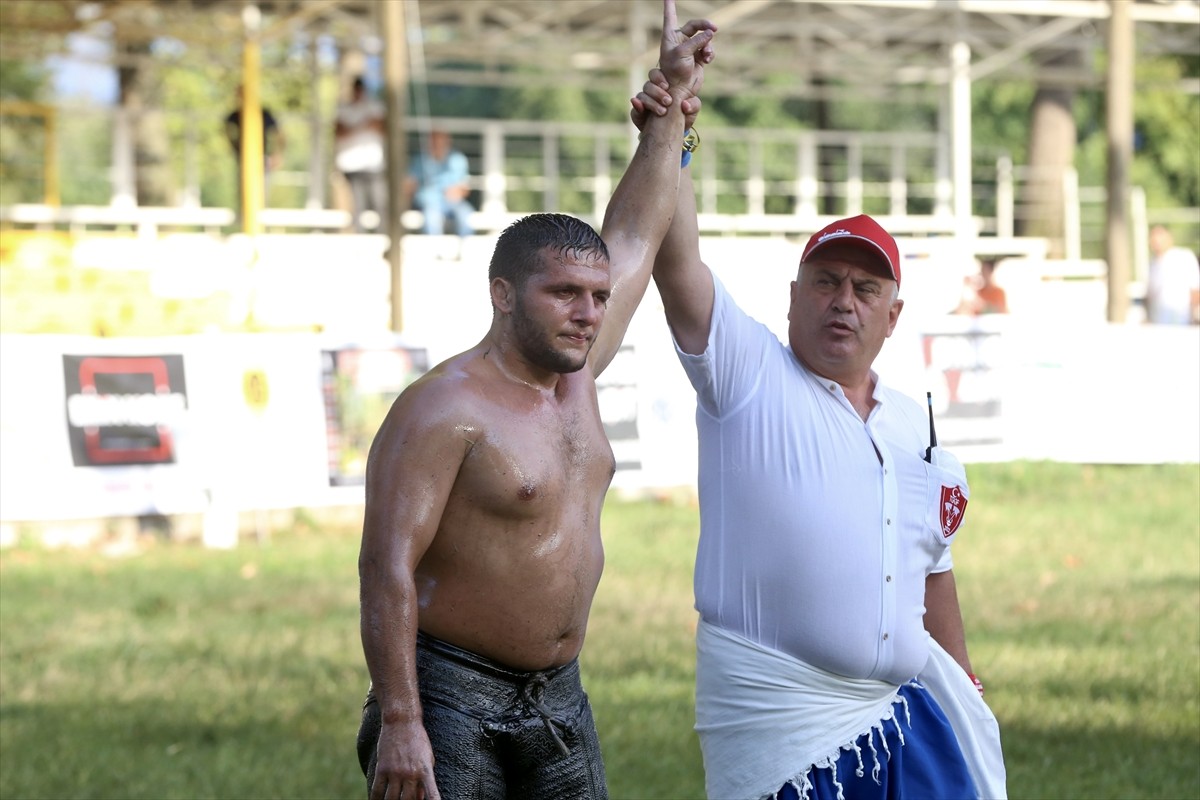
[932, 433]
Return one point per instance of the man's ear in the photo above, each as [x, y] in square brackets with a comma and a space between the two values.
[894, 314]
[503, 295]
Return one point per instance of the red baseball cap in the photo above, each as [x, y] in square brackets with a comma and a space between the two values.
[862, 232]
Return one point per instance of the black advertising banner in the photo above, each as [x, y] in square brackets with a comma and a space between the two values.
[123, 410]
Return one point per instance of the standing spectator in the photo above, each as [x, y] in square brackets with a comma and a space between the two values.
[273, 142]
[358, 138]
[437, 184]
[1173, 288]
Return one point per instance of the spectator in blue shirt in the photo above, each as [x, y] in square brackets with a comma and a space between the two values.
[437, 185]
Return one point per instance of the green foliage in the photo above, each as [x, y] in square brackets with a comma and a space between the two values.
[1166, 162]
[747, 111]
[1168, 130]
[85, 142]
[22, 135]
[194, 87]
[22, 81]
[1000, 118]
[167, 671]
[195, 105]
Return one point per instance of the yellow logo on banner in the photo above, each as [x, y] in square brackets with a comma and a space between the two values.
[254, 389]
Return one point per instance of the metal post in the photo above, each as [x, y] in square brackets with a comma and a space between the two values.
[898, 184]
[124, 194]
[395, 90]
[252, 123]
[602, 187]
[1119, 122]
[1072, 217]
[960, 140]
[1140, 226]
[756, 189]
[1004, 197]
[854, 177]
[807, 188]
[550, 172]
[50, 192]
[317, 133]
[943, 187]
[495, 184]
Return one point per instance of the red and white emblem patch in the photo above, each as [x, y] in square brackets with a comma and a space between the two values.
[954, 506]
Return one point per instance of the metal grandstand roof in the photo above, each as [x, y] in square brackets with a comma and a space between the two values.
[870, 47]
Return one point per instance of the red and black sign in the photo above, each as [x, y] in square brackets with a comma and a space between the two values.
[124, 409]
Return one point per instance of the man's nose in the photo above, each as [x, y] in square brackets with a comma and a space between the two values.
[843, 298]
[589, 311]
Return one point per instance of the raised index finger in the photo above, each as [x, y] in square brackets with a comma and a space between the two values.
[671, 35]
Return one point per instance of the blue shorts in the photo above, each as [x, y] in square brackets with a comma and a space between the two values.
[928, 765]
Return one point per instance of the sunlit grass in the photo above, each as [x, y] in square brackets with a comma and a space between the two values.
[185, 673]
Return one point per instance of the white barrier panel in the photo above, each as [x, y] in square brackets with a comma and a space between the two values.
[121, 427]
[1003, 389]
[117, 427]
[39, 478]
[1104, 393]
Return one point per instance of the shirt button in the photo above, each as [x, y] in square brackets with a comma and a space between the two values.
[885, 636]
[889, 521]
[888, 579]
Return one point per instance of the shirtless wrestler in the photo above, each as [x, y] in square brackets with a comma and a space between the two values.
[481, 547]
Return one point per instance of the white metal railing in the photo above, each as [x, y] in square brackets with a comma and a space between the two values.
[748, 180]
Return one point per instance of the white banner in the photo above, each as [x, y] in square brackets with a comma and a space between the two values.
[121, 427]
[93, 427]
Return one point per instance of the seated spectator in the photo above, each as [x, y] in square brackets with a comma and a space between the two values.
[981, 293]
[437, 185]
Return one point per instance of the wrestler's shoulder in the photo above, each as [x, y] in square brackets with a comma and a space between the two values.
[458, 387]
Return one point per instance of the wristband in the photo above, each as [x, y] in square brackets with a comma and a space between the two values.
[977, 682]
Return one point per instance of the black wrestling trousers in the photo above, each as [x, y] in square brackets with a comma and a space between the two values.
[497, 733]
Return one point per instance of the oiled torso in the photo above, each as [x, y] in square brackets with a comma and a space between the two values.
[517, 556]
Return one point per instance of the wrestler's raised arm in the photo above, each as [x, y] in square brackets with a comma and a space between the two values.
[643, 204]
[683, 279]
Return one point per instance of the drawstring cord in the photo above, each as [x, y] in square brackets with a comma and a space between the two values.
[532, 693]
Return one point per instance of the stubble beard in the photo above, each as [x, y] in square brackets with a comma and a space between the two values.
[538, 347]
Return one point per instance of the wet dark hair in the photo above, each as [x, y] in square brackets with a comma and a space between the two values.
[517, 252]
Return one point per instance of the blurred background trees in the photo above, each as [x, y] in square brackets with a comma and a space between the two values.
[182, 96]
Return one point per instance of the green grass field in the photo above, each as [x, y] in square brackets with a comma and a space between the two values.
[185, 673]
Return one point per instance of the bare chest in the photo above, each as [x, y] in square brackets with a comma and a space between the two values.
[523, 461]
